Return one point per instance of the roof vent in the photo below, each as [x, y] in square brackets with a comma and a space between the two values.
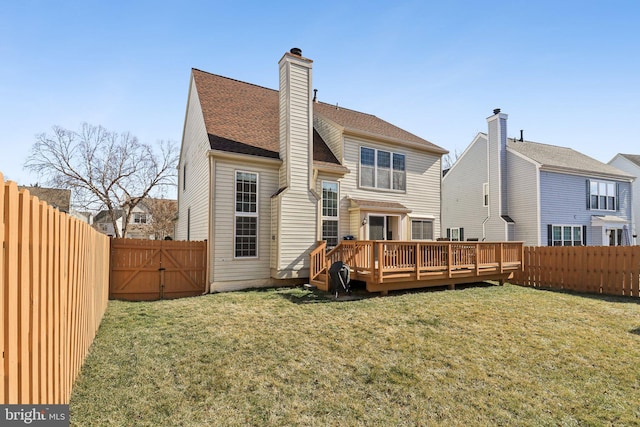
[496, 110]
[296, 51]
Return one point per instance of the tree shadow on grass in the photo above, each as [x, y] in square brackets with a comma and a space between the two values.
[635, 331]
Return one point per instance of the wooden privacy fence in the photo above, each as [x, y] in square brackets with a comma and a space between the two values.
[143, 270]
[609, 270]
[54, 275]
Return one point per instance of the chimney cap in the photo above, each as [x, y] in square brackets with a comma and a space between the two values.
[296, 51]
[496, 110]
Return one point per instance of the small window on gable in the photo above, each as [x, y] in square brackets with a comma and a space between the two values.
[184, 177]
[485, 194]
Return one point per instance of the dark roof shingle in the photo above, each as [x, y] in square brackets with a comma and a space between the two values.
[243, 118]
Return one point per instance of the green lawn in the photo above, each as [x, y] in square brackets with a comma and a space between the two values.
[477, 356]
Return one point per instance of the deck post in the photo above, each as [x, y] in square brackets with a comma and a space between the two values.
[501, 257]
[476, 259]
[417, 258]
[380, 261]
[449, 258]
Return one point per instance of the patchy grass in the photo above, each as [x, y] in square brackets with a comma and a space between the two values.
[479, 356]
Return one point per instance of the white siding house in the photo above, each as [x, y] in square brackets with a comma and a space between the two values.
[504, 189]
[265, 174]
[630, 163]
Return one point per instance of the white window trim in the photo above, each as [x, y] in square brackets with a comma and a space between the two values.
[562, 226]
[237, 214]
[606, 196]
[451, 230]
[485, 194]
[329, 218]
[431, 220]
[375, 170]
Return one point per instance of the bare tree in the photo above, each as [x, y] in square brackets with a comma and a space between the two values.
[448, 160]
[106, 170]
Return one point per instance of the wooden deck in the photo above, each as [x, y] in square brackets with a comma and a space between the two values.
[386, 265]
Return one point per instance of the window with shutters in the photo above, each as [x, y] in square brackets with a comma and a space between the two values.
[566, 235]
[603, 195]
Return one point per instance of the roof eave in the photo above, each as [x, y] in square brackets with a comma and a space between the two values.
[582, 172]
[387, 139]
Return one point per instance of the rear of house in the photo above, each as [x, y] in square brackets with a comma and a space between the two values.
[265, 174]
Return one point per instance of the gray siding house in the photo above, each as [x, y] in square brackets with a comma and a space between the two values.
[630, 163]
[507, 189]
[265, 174]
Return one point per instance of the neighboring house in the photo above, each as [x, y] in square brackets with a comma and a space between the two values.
[503, 189]
[151, 219]
[82, 216]
[630, 163]
[58, 198]
[265, 174]
[102, 222]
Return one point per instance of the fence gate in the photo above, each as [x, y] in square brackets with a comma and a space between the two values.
[143, 270]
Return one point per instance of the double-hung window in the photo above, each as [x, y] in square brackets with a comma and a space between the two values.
[603, 195]
[566, 235]
[330, 209]
[139, 218]
[246, 215]
[421, 229]
[382, 169]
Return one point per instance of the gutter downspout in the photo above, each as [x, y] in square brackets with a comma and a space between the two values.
[210, 251]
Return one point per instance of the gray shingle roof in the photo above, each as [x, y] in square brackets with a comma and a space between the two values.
[564, 158]
[635, 158]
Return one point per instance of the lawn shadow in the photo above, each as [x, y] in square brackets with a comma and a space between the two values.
[600, 297]
[635, 331]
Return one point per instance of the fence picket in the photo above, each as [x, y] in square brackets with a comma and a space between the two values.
[606, 270]
[53, 294]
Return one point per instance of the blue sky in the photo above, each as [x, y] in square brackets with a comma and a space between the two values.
[567, 72]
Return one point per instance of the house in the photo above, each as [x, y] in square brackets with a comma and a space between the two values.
[265, 174]
[150, 219]
[506, 189]
[102, 222]
[630, 163]
[56, 197]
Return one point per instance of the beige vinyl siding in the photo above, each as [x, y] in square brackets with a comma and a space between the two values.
[284, 152]
[422, 195]
[331, 135]
[195, 145]
[298, 206]
[229, 272]
[523, 197]
[462, 191]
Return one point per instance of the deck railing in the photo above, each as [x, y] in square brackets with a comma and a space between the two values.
[389, 260]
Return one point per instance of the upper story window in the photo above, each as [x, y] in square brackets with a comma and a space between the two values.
[603, 195]
[382, 169]
[330, 209]
[246, 215]
[139, 218]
